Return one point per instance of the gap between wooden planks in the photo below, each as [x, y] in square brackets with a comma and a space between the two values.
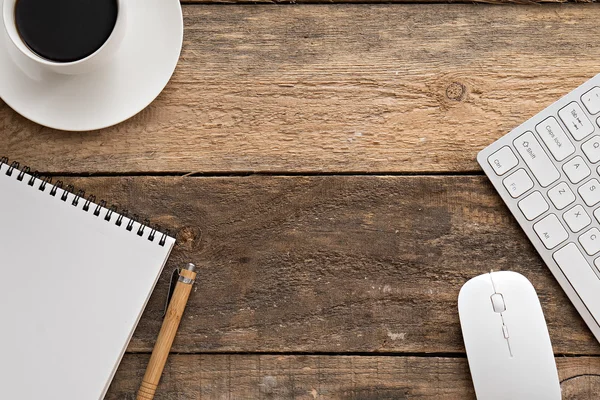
[336, 264]
[215, 377]
[352, 88]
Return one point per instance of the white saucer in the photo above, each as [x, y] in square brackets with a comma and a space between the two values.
[135, 76]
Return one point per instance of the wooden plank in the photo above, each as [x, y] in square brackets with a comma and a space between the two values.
[333, 264]
[329, 377]
[359, 88]
[340, 2]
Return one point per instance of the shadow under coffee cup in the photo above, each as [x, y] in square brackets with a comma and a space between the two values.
[65, 36]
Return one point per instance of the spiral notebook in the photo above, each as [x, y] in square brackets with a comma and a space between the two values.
[75, 277]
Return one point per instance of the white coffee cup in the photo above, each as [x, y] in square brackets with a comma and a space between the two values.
[87, 64]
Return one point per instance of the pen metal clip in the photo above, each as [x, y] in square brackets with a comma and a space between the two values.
[174, 278]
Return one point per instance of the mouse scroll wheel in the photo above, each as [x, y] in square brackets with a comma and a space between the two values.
[498, 303]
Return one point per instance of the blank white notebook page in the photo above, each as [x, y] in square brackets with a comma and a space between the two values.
[72, 289]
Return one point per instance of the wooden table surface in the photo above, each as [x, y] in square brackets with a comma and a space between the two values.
[317, 161]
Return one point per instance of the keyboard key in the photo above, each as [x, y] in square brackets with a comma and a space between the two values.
[576, 169]
[561, 195]
[566, 180]
[550, 231]
[591, 148]
[597, 214]
[575, 120]
[576, 218]
[555, 138]
[533, 206]
[581, 276]
[503, 160]
[590, 192]
[518, 183]
[590, 241]
[536, 159]
[591, 100]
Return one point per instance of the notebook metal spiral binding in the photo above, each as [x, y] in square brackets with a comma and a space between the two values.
[45, 182]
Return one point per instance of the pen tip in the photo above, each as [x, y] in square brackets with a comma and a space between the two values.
[190, 267]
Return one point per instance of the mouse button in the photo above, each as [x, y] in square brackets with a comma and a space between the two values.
[525, 325]
[475, 290]
[509, 282]
[498, 302]
[529, 338]
[519, 297]
[482, 333]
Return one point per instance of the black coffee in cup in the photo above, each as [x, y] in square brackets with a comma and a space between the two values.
[65, 30]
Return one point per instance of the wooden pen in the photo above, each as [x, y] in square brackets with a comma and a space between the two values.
[167, 333]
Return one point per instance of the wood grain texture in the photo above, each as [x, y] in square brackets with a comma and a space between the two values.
[166, 336]
[340, 2]
[358, 88]
[216, 377]
[333, 264]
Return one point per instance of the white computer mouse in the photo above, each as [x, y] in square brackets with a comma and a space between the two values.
[506, 338]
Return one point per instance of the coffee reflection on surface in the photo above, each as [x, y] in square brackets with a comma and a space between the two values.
[65, 30]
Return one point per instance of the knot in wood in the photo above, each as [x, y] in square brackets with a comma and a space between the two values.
[189, 237]
[456, 91]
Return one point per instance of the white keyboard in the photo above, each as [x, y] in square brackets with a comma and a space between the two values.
[547, 171]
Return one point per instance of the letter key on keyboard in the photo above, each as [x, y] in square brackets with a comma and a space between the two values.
[576, 218]
[561, 195]
[576, 169]
[547, 171]
[590, 241]
[591, 148]
[590, 192]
